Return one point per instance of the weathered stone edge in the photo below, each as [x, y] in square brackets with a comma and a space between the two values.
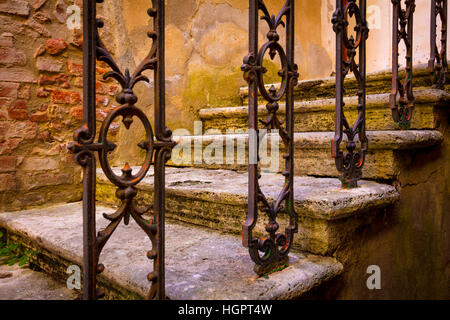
[62, 258]
[318, 206]
[385, 140]
[422, 97]
[419, 71]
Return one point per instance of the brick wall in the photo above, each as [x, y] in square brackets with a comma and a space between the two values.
[41, 103]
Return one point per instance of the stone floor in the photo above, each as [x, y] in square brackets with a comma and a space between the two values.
[22, 283]
[200, 264]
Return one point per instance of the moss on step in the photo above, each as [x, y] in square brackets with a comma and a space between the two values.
[378, 82]
[318, 115]
[56, 266]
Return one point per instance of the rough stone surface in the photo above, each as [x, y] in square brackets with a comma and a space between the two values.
[217, 199]
[318, 115]
[18, 283]
[18, 7]
[200, 264]
[386, 157]
[376, 82]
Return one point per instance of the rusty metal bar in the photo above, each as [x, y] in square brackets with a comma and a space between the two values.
[402, 98]
[351, 162]
[272, 252]
[438, 64]
[158, 147]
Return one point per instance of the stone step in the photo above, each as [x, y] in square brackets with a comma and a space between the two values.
[389, 152]
[22, 283]
[200, 264]
[217, 199]
[377, 82]
[318, 115]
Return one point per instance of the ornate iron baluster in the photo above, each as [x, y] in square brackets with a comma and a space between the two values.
[402, 30]
[350, 163]
[438, 64]
[272, 252]
[158, 146]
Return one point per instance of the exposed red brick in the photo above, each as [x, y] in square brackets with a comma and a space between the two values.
[7, 163]
[101, 71]
[8, 146]
[60, 12]
[12, 57]
[65, 97]
[24, 129]
[78, 82]
[10, 25]
[55, 46]
[36, 4]
[24, 92]
[75, 69]
[8, 89]
[43, 92]
[77, 38]
[100, 88]
[19, 104]
[7, 181]
[19, 7]
[59, 79]
[18, 114]
[48, 64]
[39, 28]
[101, 114]
[16, 75]
[32, 180]
[101, 101]
[39, 117]
[7, 40]
[113, 90]
[77, 113]
[42, 17]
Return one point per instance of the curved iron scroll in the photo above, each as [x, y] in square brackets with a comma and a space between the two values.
[157, 145]
[272, 252]
[438, 64]
[402, 24]
[350, 163]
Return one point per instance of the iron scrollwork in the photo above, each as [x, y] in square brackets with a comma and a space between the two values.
[438, 64]
[271, 252]
[350, 163]
[157, 145]
[403, 106]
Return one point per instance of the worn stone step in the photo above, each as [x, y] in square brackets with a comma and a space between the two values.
[217, 199]
[22, 283]
[389, 152]
[376, 82]
[200, 264]
[318, 115]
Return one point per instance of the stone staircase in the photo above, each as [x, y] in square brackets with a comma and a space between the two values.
[206, 202]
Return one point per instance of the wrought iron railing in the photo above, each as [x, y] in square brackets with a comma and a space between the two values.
[402, 97]
[157, 146]
[438, 64]
[270, 252]
[351, 162]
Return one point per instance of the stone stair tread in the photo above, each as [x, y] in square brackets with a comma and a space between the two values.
[322, 198]
[382, 139]
[420, 73]
[200, 264]
[422, 96]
